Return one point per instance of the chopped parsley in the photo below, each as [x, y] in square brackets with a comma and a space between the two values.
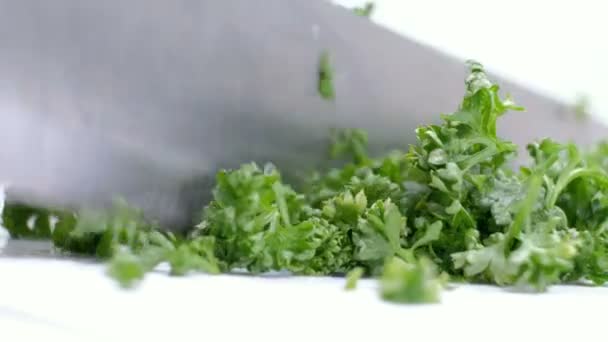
[326, 74]
[366, 10]
[450, 206]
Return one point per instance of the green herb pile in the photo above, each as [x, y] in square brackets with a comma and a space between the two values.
[449, 208]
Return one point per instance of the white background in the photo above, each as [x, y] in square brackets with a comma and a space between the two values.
[558, 48]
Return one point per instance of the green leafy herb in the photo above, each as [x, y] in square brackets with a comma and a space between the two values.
[24, 221]
[365, 10]
[410, 282]
[449, 207]
[352, 277]
[126, 268]
[581, 108]
[326, 75]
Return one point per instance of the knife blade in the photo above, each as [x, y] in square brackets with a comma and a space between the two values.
[146, 99]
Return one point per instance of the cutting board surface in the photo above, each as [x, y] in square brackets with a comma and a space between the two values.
[73, 300]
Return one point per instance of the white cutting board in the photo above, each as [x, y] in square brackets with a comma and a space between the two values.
[45, 299]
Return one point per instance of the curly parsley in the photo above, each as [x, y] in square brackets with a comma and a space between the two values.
[450, 206]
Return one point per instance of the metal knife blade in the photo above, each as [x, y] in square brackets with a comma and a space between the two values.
[141, 97]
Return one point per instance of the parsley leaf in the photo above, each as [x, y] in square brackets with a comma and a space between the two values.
[410, 282]
[326, 74]
[366, 10]
[352, 277]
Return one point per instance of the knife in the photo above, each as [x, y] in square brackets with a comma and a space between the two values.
[147, 99]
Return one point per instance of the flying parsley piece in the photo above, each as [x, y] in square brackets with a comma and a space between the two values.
[366, 10]
[325, 77]
[126, 269]
[413, 282]
[352, 278]
[581, 108]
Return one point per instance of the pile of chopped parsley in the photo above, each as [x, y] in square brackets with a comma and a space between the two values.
[451, 208]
